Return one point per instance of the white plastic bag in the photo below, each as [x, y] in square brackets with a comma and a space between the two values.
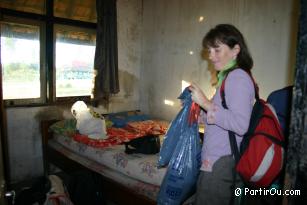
[57, 194]
[87, 124]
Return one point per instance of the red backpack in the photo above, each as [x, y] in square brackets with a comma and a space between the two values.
[260, 158]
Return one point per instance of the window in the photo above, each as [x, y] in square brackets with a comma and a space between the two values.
[21, 58]
[47, 58]
[75, 51]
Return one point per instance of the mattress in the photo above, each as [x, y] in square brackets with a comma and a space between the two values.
[140, 187]
[137, 166]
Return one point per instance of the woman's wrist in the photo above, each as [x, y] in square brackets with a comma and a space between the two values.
[206, 104]
[209, 105]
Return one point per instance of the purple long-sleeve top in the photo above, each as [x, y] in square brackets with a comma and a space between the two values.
[240, 96]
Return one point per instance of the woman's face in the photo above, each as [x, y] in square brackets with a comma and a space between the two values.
[221, 55]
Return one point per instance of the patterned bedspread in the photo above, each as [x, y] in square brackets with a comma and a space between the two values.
[140, 187]
[137, 166]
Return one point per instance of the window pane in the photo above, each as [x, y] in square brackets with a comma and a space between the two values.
[33, 6]
[75, 50]
[82, 10]
[20, 56]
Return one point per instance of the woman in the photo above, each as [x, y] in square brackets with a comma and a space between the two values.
[227, 52]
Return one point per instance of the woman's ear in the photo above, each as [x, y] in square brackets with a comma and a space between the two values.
[236, 50]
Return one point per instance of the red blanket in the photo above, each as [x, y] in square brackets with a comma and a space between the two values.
[120, 135]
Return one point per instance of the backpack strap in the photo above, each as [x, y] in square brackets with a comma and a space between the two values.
[222, 90]
[232, 137]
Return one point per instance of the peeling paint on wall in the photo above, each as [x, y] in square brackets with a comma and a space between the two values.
[47, 113]
[129, 83]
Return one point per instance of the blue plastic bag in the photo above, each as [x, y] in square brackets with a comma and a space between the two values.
[175, 129]
[180, 179]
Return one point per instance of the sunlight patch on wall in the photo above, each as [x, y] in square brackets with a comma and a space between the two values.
[184, 84]
[169, 102]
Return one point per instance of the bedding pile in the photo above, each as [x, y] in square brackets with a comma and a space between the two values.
[120, 135]
[138, 172]
[125, 127]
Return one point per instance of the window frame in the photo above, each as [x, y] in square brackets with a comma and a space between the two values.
[43, 82]
[73, 28]
[48, 88]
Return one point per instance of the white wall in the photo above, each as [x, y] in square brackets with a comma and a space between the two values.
[172, 29]
[129, 20]
[24, 140]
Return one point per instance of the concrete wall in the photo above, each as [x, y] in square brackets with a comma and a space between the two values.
[24, 139]
[159, 45]
[129, 19]
[172, 45]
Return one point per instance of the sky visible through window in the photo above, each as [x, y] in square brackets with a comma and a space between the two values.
[74, 69]
[21, 71]
[20, 68]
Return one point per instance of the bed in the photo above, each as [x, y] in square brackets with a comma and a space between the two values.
[127, 179]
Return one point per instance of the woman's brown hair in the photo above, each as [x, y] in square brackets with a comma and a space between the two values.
[231, 36]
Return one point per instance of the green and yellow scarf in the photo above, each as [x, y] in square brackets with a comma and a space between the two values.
[223, 73]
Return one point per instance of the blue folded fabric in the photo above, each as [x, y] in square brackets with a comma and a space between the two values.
[121, 119]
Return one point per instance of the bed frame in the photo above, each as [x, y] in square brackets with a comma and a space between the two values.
[114, 191]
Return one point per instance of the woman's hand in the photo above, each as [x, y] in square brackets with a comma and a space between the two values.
[199, 97]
